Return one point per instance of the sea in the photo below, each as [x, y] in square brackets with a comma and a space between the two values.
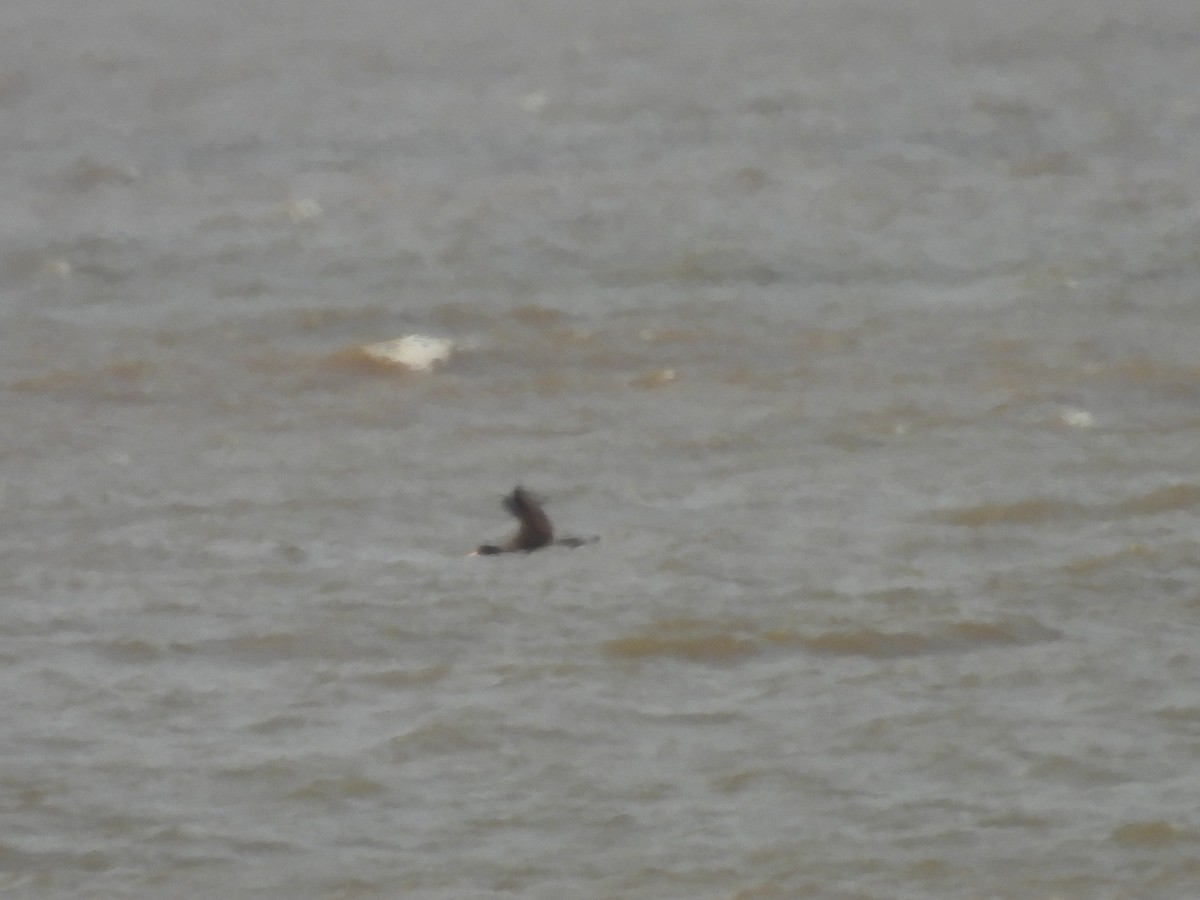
[863, 334]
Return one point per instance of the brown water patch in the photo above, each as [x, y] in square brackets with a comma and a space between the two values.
[1143, 368]
[460, 316]
[277, 724]
[1014, 820]
[1079, 362]
[954, 637]
[765, 891]
[901, 596]
[574, 336]
[715, 443]
[1055, 163]
[827, 340]
[719, 265]
[1035, 511]
[1072, 771]
[1168, 499]
[655, 378]
[735, 781]
[690, 639]
[268, 771]
[1152, 834]
[88, 173]
[271, 645]
[405, 678]
[984, 632]
[697, 648]
[864, 642]
[548, 384]
[726, 642]
[1013, 632]
[1013, 365]
[753, 379]
[1023, 512]
[332, 789]
[1090, 564]
[930, 868]
[349, 888]
[533, 315]
[30, 797]
[119, 380]
[271, 363]
[325, 320]
[484, 432]
[353, 361]
[131, 651]
[1179, 713]
[1181, 876]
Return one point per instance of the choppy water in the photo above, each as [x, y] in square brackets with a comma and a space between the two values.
[864, 334]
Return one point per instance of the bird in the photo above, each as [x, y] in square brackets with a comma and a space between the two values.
[534, 532]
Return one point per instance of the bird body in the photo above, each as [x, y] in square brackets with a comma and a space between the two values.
[534, 532]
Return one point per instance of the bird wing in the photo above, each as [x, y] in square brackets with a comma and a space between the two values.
[536, 530]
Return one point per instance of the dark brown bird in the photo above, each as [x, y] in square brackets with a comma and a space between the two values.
[535, 531]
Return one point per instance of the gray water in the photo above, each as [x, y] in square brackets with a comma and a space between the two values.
[863, 335]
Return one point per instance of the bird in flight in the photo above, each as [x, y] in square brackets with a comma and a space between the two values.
[535, 530]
